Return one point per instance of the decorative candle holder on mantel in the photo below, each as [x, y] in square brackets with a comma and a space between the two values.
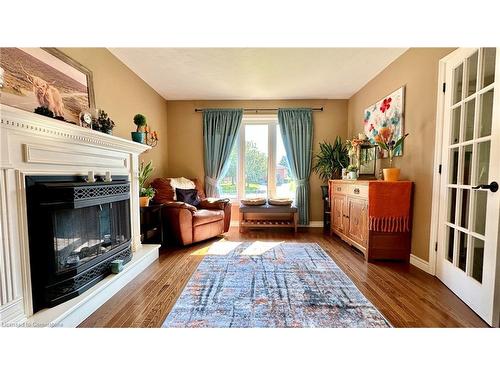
[150, 137]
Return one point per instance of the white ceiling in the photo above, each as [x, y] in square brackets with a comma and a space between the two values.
[256, 73]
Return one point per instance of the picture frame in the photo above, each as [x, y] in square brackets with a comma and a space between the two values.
[368, 155]
[46, 77]
[388, 111]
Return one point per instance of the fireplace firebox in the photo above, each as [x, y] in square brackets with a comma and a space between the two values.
[76, 229]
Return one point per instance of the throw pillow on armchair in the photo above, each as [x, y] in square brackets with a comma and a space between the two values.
[189, 196]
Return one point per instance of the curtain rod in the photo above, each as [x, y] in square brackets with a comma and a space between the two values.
[255, 110]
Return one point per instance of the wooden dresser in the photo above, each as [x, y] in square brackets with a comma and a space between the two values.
[350, 221]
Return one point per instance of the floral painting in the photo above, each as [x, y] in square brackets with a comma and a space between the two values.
[386, 115]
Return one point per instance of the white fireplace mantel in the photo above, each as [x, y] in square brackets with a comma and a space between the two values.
[31, 144]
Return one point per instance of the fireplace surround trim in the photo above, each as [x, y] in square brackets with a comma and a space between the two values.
[33, 145]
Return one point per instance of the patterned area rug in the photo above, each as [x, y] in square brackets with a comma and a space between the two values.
[271, 284]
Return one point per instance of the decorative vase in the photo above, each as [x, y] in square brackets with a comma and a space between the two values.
[138, 137]
[391, 174]
[144, 201]
[353, 175]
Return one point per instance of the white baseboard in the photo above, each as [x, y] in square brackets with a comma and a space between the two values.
[420, 263]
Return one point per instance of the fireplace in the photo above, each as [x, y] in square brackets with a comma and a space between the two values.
[76, 229]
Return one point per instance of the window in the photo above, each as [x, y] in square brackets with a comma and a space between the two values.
[258, 166]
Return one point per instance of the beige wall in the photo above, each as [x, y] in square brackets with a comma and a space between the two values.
[417, 69]
[180, 152]
[185, 134]
[122, 94]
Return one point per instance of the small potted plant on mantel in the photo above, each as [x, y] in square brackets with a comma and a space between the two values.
[103, 123]
[146, 193]
[140, 122]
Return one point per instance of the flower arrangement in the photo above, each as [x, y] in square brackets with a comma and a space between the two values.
[353, 145]
[385, 140]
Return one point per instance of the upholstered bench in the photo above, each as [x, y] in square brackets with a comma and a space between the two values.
[267, 216]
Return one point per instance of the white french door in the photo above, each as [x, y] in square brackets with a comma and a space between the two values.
[468, 220]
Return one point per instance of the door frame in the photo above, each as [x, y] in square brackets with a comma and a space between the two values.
[436, 176]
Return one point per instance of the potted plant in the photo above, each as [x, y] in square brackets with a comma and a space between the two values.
[353, 172]
[145, 193]
[140, 122]
[103, 123]
[385, 140]
[329, 161]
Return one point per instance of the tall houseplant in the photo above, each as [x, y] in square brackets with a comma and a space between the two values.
[330, 160]
[145, 193]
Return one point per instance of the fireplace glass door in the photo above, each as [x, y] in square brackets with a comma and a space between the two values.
[83, 234]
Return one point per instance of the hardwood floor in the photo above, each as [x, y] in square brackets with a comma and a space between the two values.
[405, 295]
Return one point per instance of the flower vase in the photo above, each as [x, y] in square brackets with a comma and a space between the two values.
[391, 174]
[353, 175]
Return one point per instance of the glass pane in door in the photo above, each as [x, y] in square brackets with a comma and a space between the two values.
[483, 162]
[480, 200]
[488, 76]
[477, 259]
[458, 79]
[467, 165]
[464, 216]
[454, 166]
[455, 125]
[472, 73]
[450, 238]
[469, 119]
[452, 205]
[462, 251]
[485, 113]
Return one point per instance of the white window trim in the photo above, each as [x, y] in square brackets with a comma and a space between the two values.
[271, 120]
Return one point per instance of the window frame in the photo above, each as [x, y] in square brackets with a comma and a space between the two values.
[271, 121]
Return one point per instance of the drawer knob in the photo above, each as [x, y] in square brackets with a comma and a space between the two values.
[339, 189]
[356, 191]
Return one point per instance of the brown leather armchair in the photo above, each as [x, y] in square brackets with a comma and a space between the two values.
[186, 224]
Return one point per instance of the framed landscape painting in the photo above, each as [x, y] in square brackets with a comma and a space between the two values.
[45, 77]
[387, 112]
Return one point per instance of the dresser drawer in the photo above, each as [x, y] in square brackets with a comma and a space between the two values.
[339, 188]
[356, 190]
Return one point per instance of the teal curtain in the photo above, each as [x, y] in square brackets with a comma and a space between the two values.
[220, 130]
[297, 133]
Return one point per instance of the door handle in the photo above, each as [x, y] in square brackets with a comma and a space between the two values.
[493, 187]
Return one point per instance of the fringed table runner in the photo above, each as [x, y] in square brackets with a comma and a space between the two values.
[389, 206]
